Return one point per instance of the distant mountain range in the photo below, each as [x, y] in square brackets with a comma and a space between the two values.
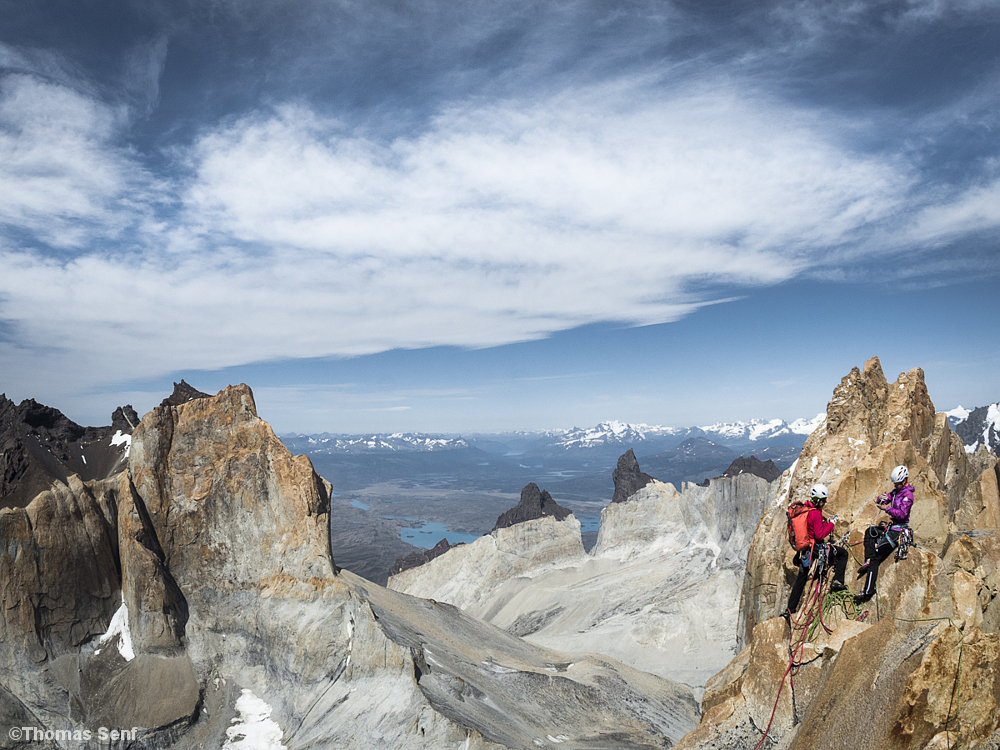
[612, 435]
[574, 462]
[976, 427]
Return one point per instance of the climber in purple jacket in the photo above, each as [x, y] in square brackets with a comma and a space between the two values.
[881, 540]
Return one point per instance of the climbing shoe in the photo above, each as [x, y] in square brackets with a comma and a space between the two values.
[787, 615]
[862, 598]
[837, 586]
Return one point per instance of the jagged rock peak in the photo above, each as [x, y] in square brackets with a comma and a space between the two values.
[124, 419]
[766, 470]
[864, 402]
[628, 478]
[416, 559]
[534, 503]
[183, 392]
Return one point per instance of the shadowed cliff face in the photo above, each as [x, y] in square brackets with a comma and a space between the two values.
[39, 445]
[203, 575]
[889, 679]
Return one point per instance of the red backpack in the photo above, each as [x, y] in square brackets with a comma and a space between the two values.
[798, 526]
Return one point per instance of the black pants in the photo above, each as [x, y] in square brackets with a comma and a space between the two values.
[837, 556]
[879, 544]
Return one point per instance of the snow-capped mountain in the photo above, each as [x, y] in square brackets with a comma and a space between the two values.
[605, 436]
[612, 433]
[977, 427]
[375, 443]
[757, 429]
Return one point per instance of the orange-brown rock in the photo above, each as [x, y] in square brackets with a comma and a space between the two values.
[886, 686]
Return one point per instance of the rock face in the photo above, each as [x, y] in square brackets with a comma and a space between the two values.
[662, 559]
[766, 470]
[203, 577]
[416, 559]
[39, 445]
[535, 503]
[628, 478]
[886, 675]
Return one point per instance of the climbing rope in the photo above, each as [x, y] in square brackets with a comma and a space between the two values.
[801, 625]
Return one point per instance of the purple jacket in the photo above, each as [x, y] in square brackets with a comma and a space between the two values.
[899, 503]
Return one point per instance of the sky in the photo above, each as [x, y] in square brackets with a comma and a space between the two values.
[478, 216]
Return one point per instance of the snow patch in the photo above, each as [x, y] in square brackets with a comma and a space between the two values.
[122, 438]
[119, 627]
[253, 729]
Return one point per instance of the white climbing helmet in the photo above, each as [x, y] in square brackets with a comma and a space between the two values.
[819, 492]
[899, 474]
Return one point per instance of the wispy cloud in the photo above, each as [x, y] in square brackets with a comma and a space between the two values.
[500, 222]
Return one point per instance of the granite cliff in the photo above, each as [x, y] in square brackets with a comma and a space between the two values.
[916, 666]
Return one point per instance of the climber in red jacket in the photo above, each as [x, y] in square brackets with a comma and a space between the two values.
[819, 529]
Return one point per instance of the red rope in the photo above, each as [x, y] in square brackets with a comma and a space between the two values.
[814, 607]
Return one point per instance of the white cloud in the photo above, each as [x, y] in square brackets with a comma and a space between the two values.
[974, 209]
[63, 178]
[499, 222]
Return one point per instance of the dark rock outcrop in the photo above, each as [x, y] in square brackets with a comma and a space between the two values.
[40, 445]
[628, 478]
[416, 559]
[124, 419]
[766, 470]
[183, 392]
[534, 503]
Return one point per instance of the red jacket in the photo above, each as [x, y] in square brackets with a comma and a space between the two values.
[818, 528]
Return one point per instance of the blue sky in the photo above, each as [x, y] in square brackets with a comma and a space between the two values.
[457, 216]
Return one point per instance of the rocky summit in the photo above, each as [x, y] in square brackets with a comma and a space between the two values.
[534, 503]
[627, 477]
[766, 470]
[418, 558]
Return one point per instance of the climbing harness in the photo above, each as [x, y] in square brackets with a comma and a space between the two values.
[904, 539]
